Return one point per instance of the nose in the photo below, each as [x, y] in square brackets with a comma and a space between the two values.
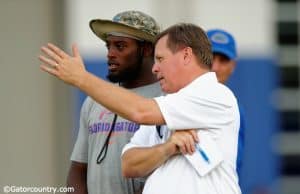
[155, 68]
[110, 53]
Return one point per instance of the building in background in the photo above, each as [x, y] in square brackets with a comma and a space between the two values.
[287, 31]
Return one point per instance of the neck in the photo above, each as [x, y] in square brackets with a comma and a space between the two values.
[138, 82]
[193, 74]
[145, 76]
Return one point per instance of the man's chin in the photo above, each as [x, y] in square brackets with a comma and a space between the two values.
[113, 78]
[122, 76]
[167, 90]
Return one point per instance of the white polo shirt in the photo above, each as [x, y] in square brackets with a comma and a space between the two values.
[212, 108]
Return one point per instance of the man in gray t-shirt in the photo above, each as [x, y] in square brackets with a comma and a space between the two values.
[96, 165]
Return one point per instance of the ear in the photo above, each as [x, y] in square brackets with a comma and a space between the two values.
[233, 65]
[187, 55]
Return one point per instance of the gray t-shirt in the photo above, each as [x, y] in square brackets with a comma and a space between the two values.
[95, 123]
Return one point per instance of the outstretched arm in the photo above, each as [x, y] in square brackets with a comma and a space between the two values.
[71, 70]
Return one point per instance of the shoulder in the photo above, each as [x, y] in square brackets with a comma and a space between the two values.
[89, 104]
[226, 91]
[150, 90]
[206, 87]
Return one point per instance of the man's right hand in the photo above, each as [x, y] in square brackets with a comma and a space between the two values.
[185, 140]
[69, 68]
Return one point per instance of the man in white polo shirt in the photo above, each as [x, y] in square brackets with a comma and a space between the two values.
[203, 104]
[195, 100]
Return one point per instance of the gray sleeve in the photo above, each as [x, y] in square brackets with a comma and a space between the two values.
[80, 150]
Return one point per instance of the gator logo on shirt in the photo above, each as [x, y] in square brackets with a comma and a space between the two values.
[104, 124]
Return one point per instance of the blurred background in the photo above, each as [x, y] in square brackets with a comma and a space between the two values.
[39, 114]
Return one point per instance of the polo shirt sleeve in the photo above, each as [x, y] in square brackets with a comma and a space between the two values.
[183, 110]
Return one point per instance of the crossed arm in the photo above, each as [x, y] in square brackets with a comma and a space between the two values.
[141, 161]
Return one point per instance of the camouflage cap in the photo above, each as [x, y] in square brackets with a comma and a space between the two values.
[133, 23]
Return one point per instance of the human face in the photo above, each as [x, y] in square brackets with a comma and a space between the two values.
[223, 67]
[167, 66]
[124, 60]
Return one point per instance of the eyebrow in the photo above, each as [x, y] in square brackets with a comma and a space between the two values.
[157, 57]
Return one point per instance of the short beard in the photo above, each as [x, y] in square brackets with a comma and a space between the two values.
[130, 73]
[126, 75]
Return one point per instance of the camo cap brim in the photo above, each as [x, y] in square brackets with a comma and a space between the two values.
[134, 23]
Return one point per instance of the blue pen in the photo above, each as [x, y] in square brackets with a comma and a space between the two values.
[202, 153]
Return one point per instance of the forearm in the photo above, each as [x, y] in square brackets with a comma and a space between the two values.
[71, 70]
[77, 178]
[140, 162]
[121, 101]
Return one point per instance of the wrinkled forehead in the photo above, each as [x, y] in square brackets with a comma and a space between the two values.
[161, 48]
[162, 42]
